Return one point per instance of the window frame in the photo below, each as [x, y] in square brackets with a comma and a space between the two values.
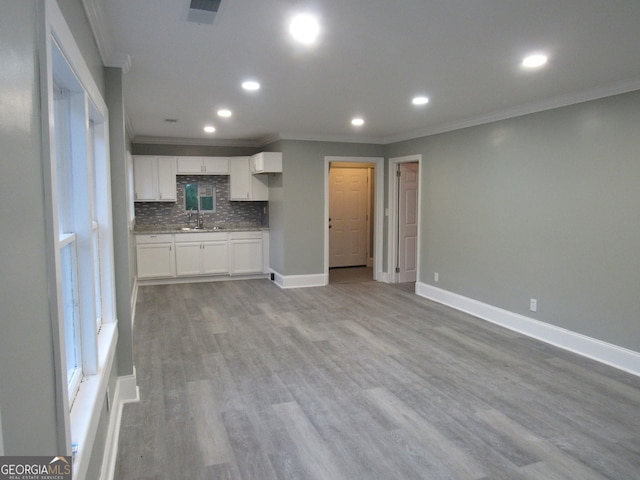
[199, 197]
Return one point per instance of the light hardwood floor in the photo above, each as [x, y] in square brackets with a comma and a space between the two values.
[243, 380]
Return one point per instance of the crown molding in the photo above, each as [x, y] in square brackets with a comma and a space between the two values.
[266, 140]
[102, 35]
[611, 89]
[196, 141]
[332, 138]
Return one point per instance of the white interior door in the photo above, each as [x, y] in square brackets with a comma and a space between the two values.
[408, 222]
[348, 201]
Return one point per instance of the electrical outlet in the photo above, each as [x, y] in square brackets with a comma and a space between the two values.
[533, 305]
[436, 277]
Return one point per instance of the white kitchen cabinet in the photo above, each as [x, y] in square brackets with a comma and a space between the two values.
[266, 162]
[145, 178]
[167, 190]
[202, 254]
[245, 253]
[154, 179]
[215, 257]
[155, 256]
[243, 186]
[188, 258]
[203, 165]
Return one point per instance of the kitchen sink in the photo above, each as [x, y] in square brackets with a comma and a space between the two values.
[193, 229]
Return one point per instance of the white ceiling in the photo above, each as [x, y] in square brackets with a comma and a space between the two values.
[372, 58]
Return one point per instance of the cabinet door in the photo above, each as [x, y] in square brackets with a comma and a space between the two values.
[245, 256]
[145, 178]
[188, 258]
[215, 257]
[190, 165]
[239, 178]
[266, 162]
[215, 165]
[167, 179]
[155, 260]
[259, 188]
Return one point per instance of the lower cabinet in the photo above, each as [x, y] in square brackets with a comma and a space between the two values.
[245, 253]
[208, 256]
[155, 256]
[201, 254]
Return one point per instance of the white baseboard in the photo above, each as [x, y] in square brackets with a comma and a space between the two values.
[383, 277]
[300, 281]
[126, 392]
[607, 353]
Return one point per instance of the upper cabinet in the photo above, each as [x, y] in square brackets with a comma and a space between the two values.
[154, 178]
[266, 162]
[203, 165]
[243, 186]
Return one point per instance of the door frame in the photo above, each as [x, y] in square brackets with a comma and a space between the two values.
[394, 206]
[378, 211]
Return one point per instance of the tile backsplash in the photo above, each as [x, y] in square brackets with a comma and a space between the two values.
[227, 213]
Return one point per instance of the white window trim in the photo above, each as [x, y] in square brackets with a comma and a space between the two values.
[77, 423]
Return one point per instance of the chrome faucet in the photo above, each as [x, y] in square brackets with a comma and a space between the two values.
[199, 219]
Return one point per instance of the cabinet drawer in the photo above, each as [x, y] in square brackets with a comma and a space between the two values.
[245, 235]
[200, 237]
[156, 238]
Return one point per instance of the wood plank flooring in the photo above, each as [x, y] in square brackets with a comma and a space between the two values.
[243, 380]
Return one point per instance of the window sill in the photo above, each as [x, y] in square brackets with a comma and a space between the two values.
[85, 411]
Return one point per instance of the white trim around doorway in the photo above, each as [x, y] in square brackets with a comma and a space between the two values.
[392, 231]
[378, 274]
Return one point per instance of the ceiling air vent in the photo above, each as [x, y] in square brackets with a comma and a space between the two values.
[203, 11]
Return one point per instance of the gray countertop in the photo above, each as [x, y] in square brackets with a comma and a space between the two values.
[178, 228]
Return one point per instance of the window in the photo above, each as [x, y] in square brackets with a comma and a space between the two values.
[199, 197]
[70, 313]
[81, 204]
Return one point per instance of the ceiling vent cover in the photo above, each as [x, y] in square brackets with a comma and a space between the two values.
[203, 11]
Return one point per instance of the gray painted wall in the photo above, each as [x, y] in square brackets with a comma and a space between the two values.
[27, 377]
[276, 221]
[123, 240]
[192, 150]
[542, 206]
[297, 215]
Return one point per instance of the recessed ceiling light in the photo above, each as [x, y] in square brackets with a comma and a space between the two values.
[224, 113]
[534, 61]
[304, 28]
[251, 85]
[209, 129]
[357, 122]
[420, 100]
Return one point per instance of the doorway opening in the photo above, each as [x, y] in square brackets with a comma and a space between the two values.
[404, 219]
[353, 218]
